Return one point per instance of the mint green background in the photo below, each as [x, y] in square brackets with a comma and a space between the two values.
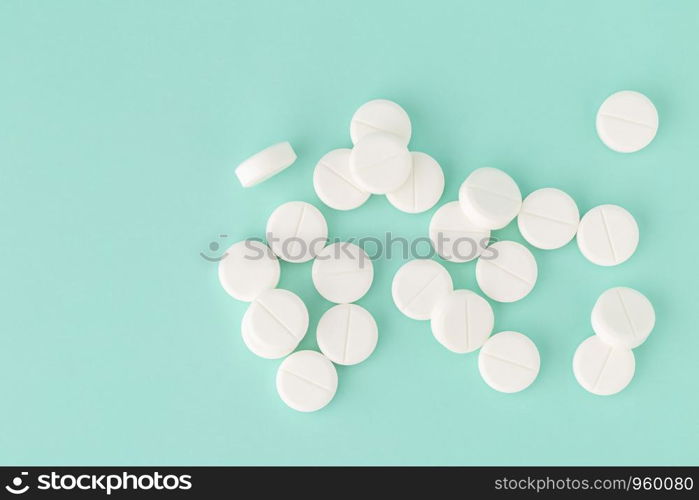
[121, 124]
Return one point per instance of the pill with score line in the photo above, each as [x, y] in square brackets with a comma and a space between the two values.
[306, 381]
[417, 287]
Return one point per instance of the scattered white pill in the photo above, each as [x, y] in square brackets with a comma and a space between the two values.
[627, 121]
[347, 334]
[548, 219]
[265, 164]
[380, 163]
[623, 317]
[424, 186]
[509, 362]
[462, 321]
[306, 381]
[507, 271]
[380, 115]
[276, 320]
[490, 198]
[259, 349]
[607, 235]
[342, 272]
[247, 269]
[454, 236]
[603, 369]
[333, 182]
[417, 287]
[296, 231]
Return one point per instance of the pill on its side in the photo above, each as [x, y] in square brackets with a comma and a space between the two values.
[265, 164]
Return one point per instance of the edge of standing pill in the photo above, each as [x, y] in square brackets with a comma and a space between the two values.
[265, 164]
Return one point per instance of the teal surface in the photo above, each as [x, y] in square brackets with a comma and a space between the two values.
[120, 127]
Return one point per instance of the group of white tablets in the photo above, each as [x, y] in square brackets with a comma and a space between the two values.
[461, 320]
[379, 163]
[277, 320]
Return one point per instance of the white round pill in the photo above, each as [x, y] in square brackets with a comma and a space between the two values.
[342, 272]
[603, 369]
[296, 231]
[417, 287]
[347, 334]
[507, 272]
[455, 237]
[275, 321]
[623, 317]
[462, 321]
[380, 163]
[306, 381]
[333, 182]
[490, 198]
[509, 362]
[627, 121]
[259, 349]
[424, 186]
[247, 269]
[265, 164]
[607, 235]
[380, 115]
[548, 219]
